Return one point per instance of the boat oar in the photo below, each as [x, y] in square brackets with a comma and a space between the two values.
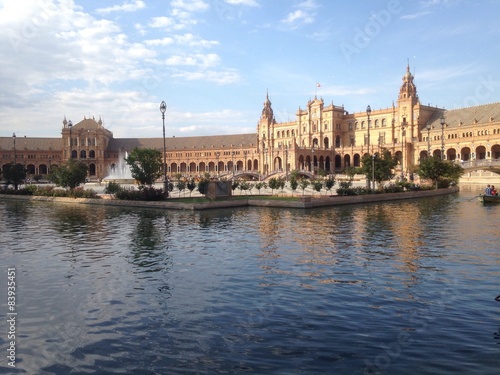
[473, 198]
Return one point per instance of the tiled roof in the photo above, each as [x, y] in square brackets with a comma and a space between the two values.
[28, 143]
[480, 114]
[87, 123]
[186, 143]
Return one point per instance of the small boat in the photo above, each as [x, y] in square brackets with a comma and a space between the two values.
[486, 199]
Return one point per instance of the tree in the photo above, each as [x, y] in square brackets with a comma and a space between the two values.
[441, 172]
[330, 183]
[274, 184]
[14, 174]
[235, 185]
[303, 184]
[244, 186]
[317, 185]
[145, 165]
[260, 185]
[383, 164]
[180, 185]
[191, 185]
[203, 185]
[294, 183]
[70, 175]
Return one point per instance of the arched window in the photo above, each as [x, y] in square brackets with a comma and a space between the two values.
[384, 123]
[91, 154]
[83, 154]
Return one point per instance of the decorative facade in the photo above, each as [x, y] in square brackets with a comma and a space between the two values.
[322, 137]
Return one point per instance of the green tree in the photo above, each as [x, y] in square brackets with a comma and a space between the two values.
[260, 185]
[14, 174]
[441, 172]
[244, 186]
[70, 175]
[330, 183]
[235, 185]
[180, 185]
[191, 185]
[380, 166]
[282, 184]
[274, 184]
[303, 184]
[145, 165]
[294, 183]
[317, 185]
[203, 185]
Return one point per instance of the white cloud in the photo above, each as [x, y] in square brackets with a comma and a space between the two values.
[202, 61]
[415, 15]
[311, 4]
[298, 16]
[194, 41]
[126, 7]
[251, 3]
[190, 5]
[222, 77]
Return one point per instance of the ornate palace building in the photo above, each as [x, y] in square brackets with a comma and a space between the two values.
[322, 136]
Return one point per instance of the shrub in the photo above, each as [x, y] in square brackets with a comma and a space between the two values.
[144, 194]
[203, 185]
[112, 188]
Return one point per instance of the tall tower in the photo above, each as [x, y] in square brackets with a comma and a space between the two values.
[408, 116]
[265, 136]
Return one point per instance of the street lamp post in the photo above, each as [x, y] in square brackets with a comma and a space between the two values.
[403, 147]
[232, 162]
[312, 159]
[368, 113]
[373, 173]
[217, 166]
[163, 109]
[15, 153]
[286, 162]
[441, 120]
[265, 166]
[70, 126]
[428, 139]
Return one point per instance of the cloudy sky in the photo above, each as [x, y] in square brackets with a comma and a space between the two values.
[213, 61]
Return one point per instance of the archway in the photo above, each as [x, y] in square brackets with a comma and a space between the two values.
[495, 152]
[451, 154]
[465, 153]
[338, 161]
[326, 142]
[357, 160]
[347, 160]
[480, 152]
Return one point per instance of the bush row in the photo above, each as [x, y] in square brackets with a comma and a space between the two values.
[50, 191]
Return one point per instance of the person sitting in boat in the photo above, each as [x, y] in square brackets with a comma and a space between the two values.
[493, 190]
[487, 191]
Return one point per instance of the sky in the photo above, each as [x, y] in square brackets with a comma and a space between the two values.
[214, 61]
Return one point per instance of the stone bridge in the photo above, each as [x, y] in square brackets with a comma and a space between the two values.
[492, 165]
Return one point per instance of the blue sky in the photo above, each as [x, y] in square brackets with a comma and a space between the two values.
[213, 61]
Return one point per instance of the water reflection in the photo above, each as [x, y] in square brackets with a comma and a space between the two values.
[256, 290]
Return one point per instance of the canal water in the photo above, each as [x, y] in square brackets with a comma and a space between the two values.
[391, 288]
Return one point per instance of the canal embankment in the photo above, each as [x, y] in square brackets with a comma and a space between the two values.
[300, 202]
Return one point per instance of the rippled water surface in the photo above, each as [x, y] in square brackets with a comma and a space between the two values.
[393, 288]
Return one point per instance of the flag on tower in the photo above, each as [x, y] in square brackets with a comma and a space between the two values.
[317, 84]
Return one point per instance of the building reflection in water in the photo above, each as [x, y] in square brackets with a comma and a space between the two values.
[326, 245]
